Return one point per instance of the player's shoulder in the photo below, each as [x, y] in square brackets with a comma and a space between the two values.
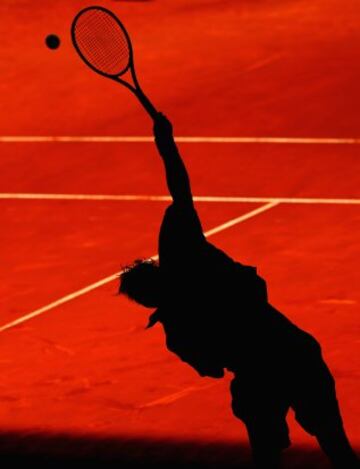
[183, 213]
[181, 207]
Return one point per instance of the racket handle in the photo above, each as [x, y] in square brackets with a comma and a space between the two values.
[148, 106]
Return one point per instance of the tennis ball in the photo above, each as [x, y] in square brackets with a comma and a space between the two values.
[52, 41]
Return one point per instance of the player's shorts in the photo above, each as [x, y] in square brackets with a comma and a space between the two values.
[263, 394]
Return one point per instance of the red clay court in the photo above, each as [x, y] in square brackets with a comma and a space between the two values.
[264, 96]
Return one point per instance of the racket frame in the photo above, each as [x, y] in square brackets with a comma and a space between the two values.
[135, 88]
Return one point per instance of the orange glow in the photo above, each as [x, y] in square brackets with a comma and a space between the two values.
[266, 69]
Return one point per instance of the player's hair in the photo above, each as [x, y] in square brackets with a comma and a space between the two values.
[140, 281]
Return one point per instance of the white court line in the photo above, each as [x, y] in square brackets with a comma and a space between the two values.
[93, 286]
[166, 198]
[145, 139]
[170, 398]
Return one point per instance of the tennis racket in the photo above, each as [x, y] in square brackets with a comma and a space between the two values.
[104, 45]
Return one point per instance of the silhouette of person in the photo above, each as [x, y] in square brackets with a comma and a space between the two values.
[216, 315]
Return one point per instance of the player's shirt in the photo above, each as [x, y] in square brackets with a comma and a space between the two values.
[185, 253]
[209, 300]
[215, 312]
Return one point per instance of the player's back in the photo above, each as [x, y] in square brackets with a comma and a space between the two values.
[214, 303]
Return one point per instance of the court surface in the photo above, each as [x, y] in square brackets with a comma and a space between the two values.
[264, 98]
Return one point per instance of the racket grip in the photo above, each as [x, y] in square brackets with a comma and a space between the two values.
[147, 104]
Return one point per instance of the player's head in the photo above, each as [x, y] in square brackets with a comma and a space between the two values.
[140, 282]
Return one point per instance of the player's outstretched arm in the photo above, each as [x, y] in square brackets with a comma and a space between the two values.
[176, 174]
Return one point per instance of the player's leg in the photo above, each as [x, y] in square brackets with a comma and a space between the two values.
[263, 414]
[266, 452]
[335, 444]
[317, 409]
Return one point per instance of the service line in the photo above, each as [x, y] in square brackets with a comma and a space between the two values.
[110, 278]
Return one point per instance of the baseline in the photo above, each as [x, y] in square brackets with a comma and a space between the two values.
[144, 139]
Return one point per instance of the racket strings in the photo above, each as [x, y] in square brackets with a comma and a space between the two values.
[102, 42]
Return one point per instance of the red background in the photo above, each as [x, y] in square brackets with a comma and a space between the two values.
[226, 68]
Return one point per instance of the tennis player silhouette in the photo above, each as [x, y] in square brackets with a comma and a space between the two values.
[216, 315]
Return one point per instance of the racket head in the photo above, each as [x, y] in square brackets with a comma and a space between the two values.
[102, 41]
